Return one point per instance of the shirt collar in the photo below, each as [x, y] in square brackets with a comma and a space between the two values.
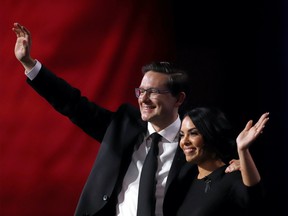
[170, 133]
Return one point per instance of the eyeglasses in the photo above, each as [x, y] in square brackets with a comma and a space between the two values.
[151, 92]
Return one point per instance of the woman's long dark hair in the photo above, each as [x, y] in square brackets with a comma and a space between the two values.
[216, 130]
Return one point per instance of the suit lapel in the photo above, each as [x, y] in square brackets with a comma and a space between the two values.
[178, 161]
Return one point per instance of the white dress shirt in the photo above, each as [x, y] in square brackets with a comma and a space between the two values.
[128, 197]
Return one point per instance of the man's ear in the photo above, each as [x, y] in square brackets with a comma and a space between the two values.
[181, 98]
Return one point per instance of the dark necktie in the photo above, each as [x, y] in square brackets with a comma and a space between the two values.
[146, 196]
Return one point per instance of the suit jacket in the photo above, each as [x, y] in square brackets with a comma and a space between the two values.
[118, 132]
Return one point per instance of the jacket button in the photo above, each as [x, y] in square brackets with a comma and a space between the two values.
[105, 198]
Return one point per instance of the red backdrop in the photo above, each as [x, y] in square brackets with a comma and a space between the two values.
[97, 46]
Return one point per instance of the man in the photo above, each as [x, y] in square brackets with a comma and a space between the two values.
[124, 134]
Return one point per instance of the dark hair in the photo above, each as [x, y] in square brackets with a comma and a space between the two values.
[178, 78]
[216, 130]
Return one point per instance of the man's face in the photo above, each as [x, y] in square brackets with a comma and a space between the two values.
[161, 109]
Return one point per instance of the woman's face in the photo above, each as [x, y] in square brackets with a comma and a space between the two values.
[191, 142]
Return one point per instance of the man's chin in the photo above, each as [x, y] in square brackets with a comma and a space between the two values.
[146, 118]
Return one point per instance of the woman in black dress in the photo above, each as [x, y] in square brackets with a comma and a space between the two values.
[207, 140]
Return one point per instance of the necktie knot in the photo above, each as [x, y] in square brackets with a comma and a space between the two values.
[154, 143]
[155, 136]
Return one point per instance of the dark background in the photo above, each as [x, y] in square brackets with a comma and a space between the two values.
[237, 54]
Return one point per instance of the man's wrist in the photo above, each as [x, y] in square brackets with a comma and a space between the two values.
[29, 64]
[32, 73]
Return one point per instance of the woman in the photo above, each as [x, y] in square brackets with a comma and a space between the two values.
[207, 140]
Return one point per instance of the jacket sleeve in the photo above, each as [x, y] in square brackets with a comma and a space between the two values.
[68, 101]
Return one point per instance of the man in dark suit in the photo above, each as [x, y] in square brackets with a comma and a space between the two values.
[112, 186]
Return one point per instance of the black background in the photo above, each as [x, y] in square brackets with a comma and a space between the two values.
[236, 52]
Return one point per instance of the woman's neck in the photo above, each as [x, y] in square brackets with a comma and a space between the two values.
[208, 167]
